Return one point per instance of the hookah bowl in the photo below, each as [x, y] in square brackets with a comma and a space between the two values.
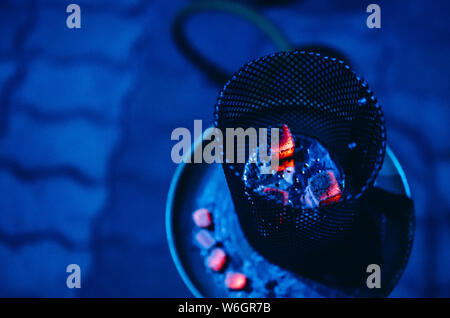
[287, 250]
[319, 97]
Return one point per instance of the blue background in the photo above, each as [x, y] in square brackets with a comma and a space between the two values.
[86, 117]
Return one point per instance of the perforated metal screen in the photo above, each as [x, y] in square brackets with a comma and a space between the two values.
[316, 96]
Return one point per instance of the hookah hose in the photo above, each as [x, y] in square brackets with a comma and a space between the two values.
[214, 72]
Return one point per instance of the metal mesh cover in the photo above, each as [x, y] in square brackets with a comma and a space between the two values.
[316, 96]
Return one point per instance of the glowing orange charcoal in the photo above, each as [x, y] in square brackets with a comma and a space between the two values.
[286, 164]
[236, 281]
[202, 218]
[216, 260]
[205, 239]
[333, 193]
[284, 193]
[286, 145]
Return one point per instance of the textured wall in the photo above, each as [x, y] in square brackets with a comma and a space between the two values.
[86, 117]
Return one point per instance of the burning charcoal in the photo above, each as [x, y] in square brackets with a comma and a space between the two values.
[216, 260]
[205, 239]
[235, 281]
[286, 145]
[307, 176]
[325, 188]
[202, 218]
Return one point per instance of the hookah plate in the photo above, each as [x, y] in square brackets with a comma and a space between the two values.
[203, 185]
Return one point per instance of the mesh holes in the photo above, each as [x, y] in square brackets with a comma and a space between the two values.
[319, 97]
